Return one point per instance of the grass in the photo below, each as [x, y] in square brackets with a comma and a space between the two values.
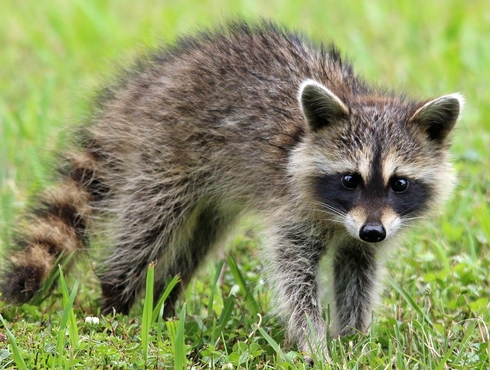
[435, 308]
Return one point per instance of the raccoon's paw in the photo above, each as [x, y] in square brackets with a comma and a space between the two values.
[322, 355]
[309, 360]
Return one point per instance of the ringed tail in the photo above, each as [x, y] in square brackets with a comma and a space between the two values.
[54, 228]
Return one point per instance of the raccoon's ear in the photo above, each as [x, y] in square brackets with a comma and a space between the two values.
[320, 106]
[439, 116]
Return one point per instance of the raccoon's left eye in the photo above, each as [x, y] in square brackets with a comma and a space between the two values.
[399, 185]
[350, 181]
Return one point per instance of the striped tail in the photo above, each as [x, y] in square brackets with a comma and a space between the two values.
[53, 231]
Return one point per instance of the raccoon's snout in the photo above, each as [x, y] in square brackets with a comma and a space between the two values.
[372, 232]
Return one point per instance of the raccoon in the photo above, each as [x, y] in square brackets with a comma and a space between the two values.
[246, 118]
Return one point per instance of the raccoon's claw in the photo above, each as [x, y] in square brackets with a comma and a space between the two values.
[324, 357]
[309, 360]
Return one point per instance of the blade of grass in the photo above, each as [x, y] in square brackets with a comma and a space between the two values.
[158, 308]
[219, 267]
[19, 361]
[251, 303]
[483, 215]
[179, 343]
[160, 323]
[442, 255]
[313, 344]
[224, 317]
[410, 301]
[54, 274]
[147, 310]
[67, 311]
[459, 345]
[176, 334]
[275, 346]
[72, 329]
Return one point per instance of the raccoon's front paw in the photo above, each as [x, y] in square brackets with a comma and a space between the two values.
[309, 360]
[321, 354]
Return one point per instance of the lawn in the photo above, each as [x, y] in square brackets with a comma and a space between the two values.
[435, 309]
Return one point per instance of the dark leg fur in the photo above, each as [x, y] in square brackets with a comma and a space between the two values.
[185, 259]
[355, 274]
[294, 266]
[111, 295]
[207, 231]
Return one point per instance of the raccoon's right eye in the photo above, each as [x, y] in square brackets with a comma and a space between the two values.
[350, 181]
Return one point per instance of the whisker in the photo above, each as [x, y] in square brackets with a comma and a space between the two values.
[333, 217]
[334, 209]
[406, 219]
[337, 221]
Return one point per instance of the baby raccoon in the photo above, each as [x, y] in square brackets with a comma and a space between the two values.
[244, 119]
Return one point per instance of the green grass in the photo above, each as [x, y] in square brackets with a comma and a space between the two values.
[434, 312]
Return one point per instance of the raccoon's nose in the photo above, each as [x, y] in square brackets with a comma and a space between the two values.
[372, 232]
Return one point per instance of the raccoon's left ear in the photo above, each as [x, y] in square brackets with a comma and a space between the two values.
[320, 106]
[439, 116]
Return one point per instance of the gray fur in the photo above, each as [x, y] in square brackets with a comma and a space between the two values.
[250, 119]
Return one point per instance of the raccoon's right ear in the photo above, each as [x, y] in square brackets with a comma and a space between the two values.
[320, 106]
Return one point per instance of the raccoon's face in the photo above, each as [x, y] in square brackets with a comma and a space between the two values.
[370, 208]
[374, 164]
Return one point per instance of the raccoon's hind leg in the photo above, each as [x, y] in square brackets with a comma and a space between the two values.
[178, 241]
[209, 228]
